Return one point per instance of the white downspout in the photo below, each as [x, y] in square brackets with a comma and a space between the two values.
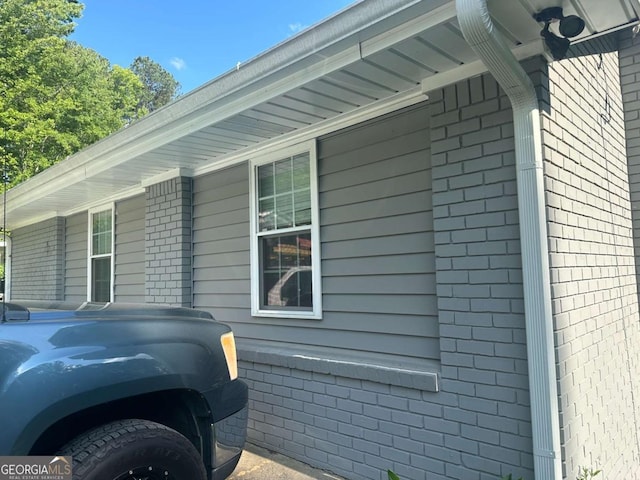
[486, 41]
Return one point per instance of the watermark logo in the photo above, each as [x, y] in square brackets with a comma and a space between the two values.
[35, 468]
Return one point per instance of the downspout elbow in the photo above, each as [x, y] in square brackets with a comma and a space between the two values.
[480, 33]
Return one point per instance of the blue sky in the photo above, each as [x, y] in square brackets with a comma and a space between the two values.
[195, 40]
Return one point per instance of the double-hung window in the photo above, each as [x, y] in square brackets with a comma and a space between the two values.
[285, 260]
[100, 267]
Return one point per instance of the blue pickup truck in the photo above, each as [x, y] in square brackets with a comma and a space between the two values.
[129, 391]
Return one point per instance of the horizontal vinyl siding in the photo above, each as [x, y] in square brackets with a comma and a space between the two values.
[129, 250]
[221, 244]
[377, 245]
[75, 271]
[378, 262]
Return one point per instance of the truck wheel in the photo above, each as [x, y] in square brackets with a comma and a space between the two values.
[134, 450]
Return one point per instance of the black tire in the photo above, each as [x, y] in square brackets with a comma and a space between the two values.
[134, 450]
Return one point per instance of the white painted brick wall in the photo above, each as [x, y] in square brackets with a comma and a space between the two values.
[630, 79]
[592, 263]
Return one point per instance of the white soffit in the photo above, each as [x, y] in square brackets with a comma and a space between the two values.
[372, 54]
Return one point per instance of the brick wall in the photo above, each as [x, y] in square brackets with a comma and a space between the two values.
[38, 261]
[353, 427]
[592, 262]
[168, 242]
[480, 295]
[629, 60]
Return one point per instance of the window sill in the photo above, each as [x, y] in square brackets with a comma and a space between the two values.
[286, 314]
[317, 360]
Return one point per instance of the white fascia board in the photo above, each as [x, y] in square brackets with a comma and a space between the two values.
[409, 29]
[383, 107]
[101, 156]
[229, 94]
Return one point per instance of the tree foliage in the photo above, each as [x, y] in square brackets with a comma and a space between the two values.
[56, 96]
[159, 85]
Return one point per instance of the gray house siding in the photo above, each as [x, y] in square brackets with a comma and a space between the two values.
[378, 264]
[592, 262]
[152, 251]
[377, 247]
[75, 271]
[388, 266]
[419, 363]
[221, 279]
[37, 258]
[129, 253]
[129, 250]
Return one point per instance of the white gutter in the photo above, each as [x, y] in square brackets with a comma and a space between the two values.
[480, 33]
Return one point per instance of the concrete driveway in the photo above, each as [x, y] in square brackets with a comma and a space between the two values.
[259, 464]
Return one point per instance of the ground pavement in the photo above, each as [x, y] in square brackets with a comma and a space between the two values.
[260, 464]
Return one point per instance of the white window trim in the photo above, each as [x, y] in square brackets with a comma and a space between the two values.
[111, 207]
[316, 277]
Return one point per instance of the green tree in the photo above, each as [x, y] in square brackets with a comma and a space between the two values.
[159, 85]
[56, 96]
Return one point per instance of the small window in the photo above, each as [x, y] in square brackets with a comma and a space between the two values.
[285, 260]
[100, 274]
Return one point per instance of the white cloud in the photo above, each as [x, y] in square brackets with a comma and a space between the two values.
[178, 63]
[296, 27]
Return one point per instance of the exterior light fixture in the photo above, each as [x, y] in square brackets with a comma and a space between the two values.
[569, 27]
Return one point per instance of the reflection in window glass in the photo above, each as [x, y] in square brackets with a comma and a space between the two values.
[301, 172]
[101, 233]
[101, 279]
[284, 194]
[284, 209]
[286, 271]
[282, 176]
[302, 201]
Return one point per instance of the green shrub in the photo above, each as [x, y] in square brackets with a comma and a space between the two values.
[587, 473]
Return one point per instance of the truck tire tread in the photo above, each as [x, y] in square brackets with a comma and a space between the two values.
[95, 451]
